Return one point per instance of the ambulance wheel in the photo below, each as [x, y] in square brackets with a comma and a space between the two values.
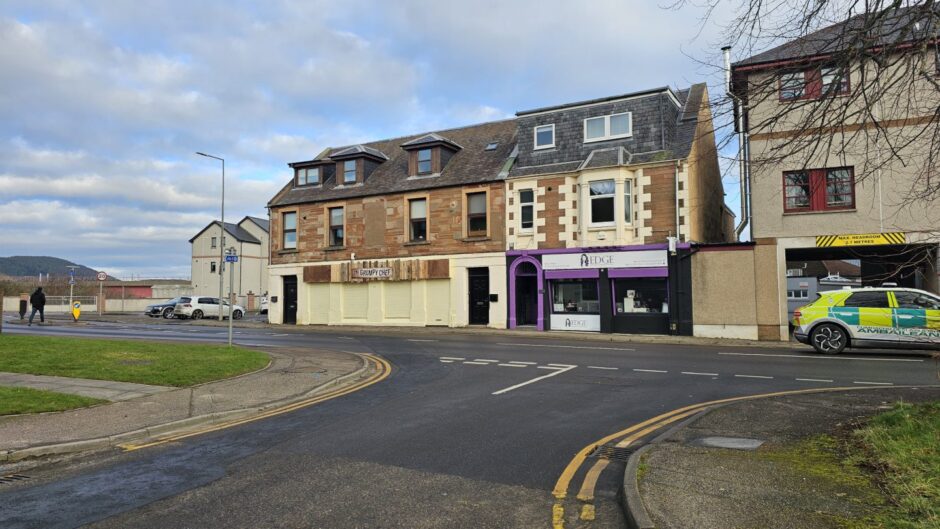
[829, 339]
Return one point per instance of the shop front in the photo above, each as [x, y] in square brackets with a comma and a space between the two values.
[635, 289]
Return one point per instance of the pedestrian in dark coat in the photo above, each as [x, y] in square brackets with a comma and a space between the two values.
[38, 301]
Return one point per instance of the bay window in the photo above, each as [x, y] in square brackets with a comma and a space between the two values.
[602, 202]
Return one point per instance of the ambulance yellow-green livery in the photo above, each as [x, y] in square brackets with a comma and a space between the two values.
[869, 317]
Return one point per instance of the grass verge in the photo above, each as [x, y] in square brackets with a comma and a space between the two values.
[162, 364]
[14, 401]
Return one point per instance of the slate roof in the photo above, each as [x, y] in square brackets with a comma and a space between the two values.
[234, 230]
[354, 150]
[832, 39]
[264, 224]
[470, 165]
[430, 138]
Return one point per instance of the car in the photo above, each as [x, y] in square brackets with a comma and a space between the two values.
[893, 318]
[164, 309]
[264, 305]
[198, 307]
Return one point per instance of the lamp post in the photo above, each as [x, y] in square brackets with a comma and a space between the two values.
[221, 225]
[232, 257]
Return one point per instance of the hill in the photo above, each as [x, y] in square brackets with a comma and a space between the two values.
[31, 266]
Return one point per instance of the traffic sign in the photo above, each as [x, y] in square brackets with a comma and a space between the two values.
[231, 258]
[72, 280]
[102, 276]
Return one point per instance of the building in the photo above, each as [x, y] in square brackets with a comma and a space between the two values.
[832, 190]
[604, 198]
[404, 231]
[250, 239]
[806, 278]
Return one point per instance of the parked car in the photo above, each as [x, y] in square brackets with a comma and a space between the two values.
[198, 307]
[897, 318]
[164, 309]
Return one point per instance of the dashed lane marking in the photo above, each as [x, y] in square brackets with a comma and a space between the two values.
[487, 360]
[452, 358]
[416, 340]
[567, 346]
[534, 380]
[754, 376]
[814, 380]
[511, 365]
[601, 367]
[700, 374]
[522, 363]
[447, 361]
[872, 383]
[650, 371]
[821, 357]
[559, 365]
[470, 362]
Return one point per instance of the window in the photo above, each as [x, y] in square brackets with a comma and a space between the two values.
[792, 86]
[526, 209]
[349, 172]
[308, 176]
[215, 242]
[797, 294]
[212, 267]
[877, 299]
[819, 189]
[610, 127]
[575, 295]
[628, 201]
[418, 219]
[647, 295]
[602, 202]
[476, 214]
[913, 300]
[290, 230]
[491, 146]
[424, 161]
[545, 136]
[834, 81]
[336, 227]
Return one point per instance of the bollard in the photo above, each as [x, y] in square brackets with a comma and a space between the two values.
[24, 301]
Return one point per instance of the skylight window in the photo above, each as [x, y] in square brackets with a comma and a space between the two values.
[491, 146]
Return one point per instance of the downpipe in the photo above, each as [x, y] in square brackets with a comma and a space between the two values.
[743, 149]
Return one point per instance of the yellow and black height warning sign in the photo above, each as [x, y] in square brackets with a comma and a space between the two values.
[860, 239]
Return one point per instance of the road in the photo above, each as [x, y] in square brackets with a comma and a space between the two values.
[470, 430]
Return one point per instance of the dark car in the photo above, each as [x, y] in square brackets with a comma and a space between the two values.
[164, 309]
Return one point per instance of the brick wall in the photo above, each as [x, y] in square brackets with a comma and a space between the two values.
[446, 218]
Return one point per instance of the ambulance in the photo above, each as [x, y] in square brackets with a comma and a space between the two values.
[894, 318]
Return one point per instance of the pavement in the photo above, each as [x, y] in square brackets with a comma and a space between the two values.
[142, 412]
[690, 478]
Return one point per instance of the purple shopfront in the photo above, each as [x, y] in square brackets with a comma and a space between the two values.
[625, 289]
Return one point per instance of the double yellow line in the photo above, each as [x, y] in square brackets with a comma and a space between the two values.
[384, 369]
[630, 435]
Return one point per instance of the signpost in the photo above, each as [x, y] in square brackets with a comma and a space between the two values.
[102, 277]
[71, 290]
[230, 257]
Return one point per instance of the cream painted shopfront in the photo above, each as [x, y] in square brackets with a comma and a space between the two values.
[449, 291]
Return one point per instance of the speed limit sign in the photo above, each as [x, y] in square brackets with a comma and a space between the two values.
[102, 276]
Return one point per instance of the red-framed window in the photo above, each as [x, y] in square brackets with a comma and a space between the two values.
[819, 189]
[813, 83]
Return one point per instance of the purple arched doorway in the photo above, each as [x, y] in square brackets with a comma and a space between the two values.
[525, 293]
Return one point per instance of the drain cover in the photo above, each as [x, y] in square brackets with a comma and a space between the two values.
[611, 452]
[12, 478]
[734, 443]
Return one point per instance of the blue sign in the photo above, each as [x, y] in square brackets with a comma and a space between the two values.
[231, 258]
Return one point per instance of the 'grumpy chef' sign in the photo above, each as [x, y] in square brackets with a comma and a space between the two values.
[576, 261]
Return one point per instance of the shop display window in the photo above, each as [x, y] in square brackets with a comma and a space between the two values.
[646, 295]
[575, 296]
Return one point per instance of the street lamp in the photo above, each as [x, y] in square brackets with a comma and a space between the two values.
[222, 225]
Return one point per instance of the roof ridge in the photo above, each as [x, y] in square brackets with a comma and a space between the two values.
[418, 134]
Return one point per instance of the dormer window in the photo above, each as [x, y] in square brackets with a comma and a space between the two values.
[614, 126]
[349, 172]
[424, 161]
[544, 136]
[308, 176]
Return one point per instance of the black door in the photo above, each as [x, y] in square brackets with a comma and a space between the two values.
[479, 296]
[526, 300]
[290, 300]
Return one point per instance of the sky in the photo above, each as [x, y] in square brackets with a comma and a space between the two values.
[103, 104]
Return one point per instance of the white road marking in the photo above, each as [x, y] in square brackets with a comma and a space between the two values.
[560, 365]
[700, 374]
[546, 367]
[821, 357]
[753, 376]
[650, 371]
[814, 380]
[536, 379]
[258, 344]
[477, 363]
[282, 334]
[486, 360]
[568, 346]
[873, 383]
[447, 361]
[345, 337]
[452, 358]
[415, 340]
[511, 365]
[522, 363]
[599, 367]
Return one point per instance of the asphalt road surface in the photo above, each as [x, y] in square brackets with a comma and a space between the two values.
[470, 430]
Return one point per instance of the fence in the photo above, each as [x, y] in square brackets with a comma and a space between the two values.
[59, 304]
